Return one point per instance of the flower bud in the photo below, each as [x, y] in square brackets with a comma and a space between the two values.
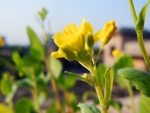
[86, 76]
[139, 25]
[89, 41]
[108, 31]
[42, 13]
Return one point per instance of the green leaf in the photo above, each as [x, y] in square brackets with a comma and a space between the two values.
[117, 105]
[52, 108]
[140, 79]
[27, 65]
[41, 85]
[24, 105]
[63, 81]
[100, 72]
[124, 61]
[18, 62]
[73, 101]
[56, 67]
[88, 94]
[109, 77]
[71, 83]
[6, 85]
[31, 66]
[88, 108]
[42, 98]
[25, 83]
[144, 104]
[141, 18]
[10, 96]
[37, 49]
[16, 58]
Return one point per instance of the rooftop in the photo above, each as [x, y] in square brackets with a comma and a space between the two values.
[130, 32]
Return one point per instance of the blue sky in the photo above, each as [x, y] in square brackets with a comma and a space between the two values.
[16, 15]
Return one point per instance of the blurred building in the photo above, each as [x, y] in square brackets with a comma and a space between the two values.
[125, 40]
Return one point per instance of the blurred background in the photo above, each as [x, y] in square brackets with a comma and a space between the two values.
[16, 15]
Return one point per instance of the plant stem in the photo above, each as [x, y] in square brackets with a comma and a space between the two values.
[54, 86]
[131, 97]
[66, 94]
[143, 50]
[98, 55]
[98, 89]
[11, 105]
[53, 82]
[133, 10]
[139, 35]
[47, 62]
[35, 95]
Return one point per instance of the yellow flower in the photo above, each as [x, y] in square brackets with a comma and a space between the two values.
[2, 43]
[72, 40]
[106, 33]
[116, 53]
[4, 109]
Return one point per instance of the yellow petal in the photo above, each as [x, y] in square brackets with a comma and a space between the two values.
[86, 28]
[71, 29]
[56, 55]
[60, 39]
[97, 36]
[77, 43]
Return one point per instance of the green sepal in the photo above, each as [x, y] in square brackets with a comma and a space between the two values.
[141, 18]
[68, 53]
[140, 79]
[109, 77]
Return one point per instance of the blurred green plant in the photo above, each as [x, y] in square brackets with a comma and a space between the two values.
[140, 79]
[123, 61]
[8, 89]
